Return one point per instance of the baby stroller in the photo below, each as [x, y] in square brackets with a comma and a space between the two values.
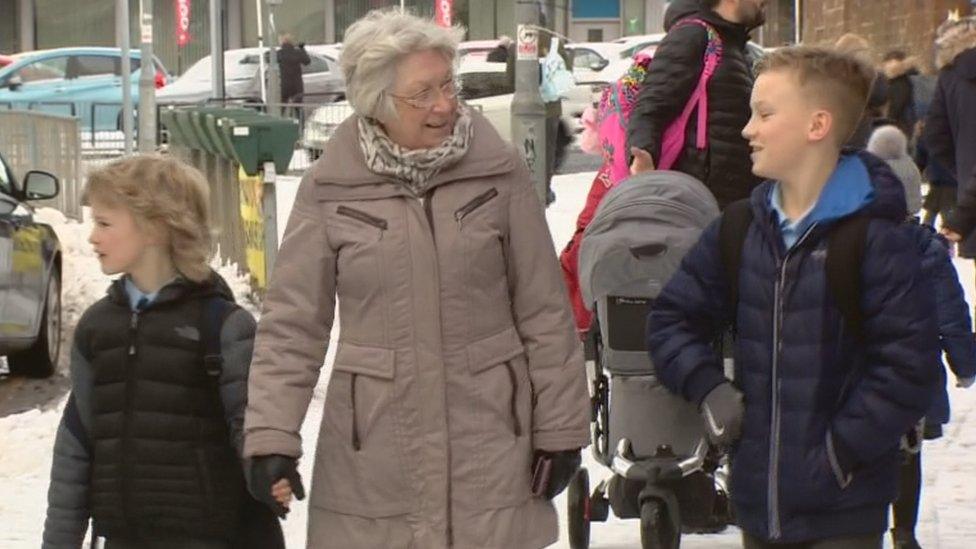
[663, 469]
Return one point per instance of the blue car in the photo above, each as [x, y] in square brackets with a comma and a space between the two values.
[81, 82]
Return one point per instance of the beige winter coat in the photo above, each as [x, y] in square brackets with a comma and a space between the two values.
[456, 355]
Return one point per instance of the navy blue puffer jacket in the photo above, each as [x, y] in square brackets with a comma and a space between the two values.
[818, 456]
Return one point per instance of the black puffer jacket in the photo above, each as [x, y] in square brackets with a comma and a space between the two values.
[724, 165]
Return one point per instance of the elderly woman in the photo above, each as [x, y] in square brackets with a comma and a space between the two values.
[457, 372]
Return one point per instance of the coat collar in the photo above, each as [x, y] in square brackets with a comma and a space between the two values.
[343, 165]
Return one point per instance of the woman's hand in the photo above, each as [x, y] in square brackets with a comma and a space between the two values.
[281, 491]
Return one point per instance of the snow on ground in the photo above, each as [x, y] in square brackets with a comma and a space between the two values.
[27, 430]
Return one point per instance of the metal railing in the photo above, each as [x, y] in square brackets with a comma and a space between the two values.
[49, 142]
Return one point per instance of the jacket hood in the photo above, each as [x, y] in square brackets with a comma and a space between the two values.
[342, 162]
[954, 38]
[861, 184]
[888, 143]
[731, 32]
[678, 10]
[179, 289]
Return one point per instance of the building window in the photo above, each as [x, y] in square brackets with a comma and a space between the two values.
[594, 35]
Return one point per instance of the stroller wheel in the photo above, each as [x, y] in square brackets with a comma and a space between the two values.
[657, 528]
[578, 504]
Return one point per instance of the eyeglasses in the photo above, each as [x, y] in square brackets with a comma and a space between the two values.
[429, 97]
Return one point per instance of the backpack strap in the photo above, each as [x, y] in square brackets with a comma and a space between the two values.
[732, 230]
[845, 248]
[216, 309]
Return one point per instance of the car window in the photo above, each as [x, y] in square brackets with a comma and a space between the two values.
[318, 64]
[582, 59]
[86, 66]
[475, 85]
[45, 69]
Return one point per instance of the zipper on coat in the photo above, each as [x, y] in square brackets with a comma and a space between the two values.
[474, 204]
[517, 425]
[130, 386]
[356, 443]
[358, 215]
[775, 527]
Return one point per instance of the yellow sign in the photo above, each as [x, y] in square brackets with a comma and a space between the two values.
[252, 219]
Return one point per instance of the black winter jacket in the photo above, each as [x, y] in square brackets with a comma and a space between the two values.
[148, 444]
[950, 132]
[290, 61]
[724, 165]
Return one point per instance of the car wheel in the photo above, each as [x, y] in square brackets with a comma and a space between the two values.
[41, 359]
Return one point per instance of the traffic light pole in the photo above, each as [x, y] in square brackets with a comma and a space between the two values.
[528, 110]
[147, 80]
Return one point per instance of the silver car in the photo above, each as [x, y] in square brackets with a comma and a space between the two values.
[323, 79]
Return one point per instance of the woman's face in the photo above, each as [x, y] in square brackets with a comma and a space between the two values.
[426, 101]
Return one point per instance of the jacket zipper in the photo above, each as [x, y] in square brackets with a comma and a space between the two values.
[364, 217]
[429, 214]
[356, 443]
[127, 412]
[775, 530]
[474, 204]
[514, 401]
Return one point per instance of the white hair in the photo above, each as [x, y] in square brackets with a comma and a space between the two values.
[888, 142]
[375, 44]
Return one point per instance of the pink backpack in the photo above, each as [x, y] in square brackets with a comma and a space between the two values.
[619, 99]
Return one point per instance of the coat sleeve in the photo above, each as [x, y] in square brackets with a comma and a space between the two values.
[962, 218]
[938, 132]
[955, 324]
[687, 317]
[68, 496]
[669, 83]
[540, 307]
[236, 347]
[293, 334]
[898, 377]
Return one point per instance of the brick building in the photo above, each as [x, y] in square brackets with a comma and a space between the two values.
[888, 24]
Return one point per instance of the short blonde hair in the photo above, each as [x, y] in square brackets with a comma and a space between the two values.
[162, 193]
[841, 82]
[375, 44]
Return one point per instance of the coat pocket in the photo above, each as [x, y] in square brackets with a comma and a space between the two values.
[503, 407]
[357, 466]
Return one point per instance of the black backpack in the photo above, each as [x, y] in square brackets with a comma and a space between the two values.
[845, 253]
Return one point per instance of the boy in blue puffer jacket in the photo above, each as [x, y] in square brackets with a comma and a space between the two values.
[819, 402]
[956, 338]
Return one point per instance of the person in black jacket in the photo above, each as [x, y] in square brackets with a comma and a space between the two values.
[149, 444]
[899, 70]
[290, 61]
[724, 164]
[873, 116]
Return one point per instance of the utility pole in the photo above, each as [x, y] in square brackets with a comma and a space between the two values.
[125, 44]
[147, 80]
[217, 50]
[274, 76]
[528, 110]
[797, 21]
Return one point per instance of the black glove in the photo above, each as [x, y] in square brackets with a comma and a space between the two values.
[722, 410]
[301, 45]
[266, 471]
[552, 471]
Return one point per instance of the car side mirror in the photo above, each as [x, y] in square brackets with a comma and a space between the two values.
[598, 66]
[14, 83]
[40, 185]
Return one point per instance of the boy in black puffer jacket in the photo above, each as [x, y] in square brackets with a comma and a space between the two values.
[148, 447]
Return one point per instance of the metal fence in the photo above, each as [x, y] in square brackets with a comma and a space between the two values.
[49, 142]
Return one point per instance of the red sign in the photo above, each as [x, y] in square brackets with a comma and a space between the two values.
[182, 22]
[442, 12]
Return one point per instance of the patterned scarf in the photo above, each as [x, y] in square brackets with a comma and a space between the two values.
[413, 168]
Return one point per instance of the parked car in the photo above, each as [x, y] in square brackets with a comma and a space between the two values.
[81, 82]
[323, 78]
[476, 49]
[30, 276]
[484, 86]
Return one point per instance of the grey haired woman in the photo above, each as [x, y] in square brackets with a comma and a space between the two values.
[457, 369]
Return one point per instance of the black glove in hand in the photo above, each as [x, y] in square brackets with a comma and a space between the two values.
[722, 409]
[266, 471]
[552, 471]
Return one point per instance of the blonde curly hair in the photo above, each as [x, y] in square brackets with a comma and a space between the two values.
[161, 193]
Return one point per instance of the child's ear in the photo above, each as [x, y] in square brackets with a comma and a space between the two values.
[821, 125]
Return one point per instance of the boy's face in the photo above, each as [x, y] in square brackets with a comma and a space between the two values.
[782, 125]
[117, 239]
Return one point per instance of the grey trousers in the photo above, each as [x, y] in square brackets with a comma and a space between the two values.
[872, 541]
